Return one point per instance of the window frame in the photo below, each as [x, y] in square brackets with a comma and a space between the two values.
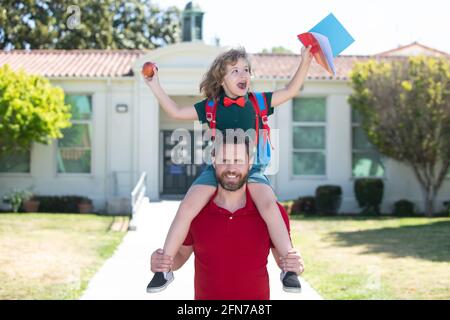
[354, 124]
[293, 150]
[21, 174]
[90, 123]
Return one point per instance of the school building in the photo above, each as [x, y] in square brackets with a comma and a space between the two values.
[119, 131]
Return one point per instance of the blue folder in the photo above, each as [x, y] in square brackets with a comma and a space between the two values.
[337, 35]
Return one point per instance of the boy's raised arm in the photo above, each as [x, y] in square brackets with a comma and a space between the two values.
[170, 107]
[293, 87]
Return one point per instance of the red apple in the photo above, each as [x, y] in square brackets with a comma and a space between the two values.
[147, 69]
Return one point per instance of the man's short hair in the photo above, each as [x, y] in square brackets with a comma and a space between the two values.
[232, 138]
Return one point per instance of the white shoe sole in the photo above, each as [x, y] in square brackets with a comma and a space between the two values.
[289, 289]
[159, 289]
[292, 290]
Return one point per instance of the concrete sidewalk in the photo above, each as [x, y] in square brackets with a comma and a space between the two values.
[126, 274]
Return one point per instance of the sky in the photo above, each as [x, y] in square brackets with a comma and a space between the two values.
[376, 25]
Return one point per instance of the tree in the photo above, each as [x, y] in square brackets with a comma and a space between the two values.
[84, 24]
[405, 110]
[31, 110]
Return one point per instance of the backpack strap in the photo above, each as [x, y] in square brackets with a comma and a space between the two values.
[210, 111]
[261, 109]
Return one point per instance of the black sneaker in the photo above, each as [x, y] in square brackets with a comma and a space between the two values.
[160, 281]
[290, 282]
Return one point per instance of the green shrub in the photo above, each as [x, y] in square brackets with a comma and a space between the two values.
[287, 205]
[63, 204]
[447, 208]
[369, 194]
[305, 205]
[328, 199]
[16, 197]
[31, 110]
[403, 208]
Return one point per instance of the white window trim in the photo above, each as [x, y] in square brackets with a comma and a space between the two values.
[82, 121]
[306, 124]
[18, 174]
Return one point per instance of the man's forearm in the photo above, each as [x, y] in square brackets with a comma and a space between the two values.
[179, 261]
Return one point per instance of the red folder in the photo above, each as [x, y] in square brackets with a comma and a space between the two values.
[318, 45]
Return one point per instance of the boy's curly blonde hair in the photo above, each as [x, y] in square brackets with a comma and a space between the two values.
[211, 85]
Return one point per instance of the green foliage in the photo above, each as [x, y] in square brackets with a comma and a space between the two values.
[446, 208]
[403, 208]
[16, 197]
[85, 24]
[403, 99]
[404, 106]
[31, 110]
[304, 205]
[369, 194]
[328, 199]
[64, 204]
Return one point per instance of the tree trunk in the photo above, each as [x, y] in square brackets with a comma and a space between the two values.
[428, 188]
[430, 197]
[429, 206]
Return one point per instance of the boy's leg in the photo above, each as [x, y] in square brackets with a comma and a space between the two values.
[196, 198]
[266, 202]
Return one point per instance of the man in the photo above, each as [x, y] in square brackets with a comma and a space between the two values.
[230, 239]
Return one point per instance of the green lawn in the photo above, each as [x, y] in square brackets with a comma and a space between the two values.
[375, 257]
[52, 256]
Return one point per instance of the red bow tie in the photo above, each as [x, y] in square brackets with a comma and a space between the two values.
[239, 101]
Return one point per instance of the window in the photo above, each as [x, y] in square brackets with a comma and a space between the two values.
[309, 138]
[186, 29]
[15, 162]
[366, 160]
[74, 149]
[198, 28]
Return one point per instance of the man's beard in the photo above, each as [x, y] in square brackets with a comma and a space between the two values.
[232, 186]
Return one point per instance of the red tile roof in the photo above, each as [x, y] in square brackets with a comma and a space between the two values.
[72, 63]
[414, 48]
[283, 66]
[118, 63]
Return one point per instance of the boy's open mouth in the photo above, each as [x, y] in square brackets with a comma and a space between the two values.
[242, 85]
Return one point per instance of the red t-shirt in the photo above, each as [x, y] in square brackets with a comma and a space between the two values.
[231, 252]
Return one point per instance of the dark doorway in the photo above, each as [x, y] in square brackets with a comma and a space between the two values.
[177, 178]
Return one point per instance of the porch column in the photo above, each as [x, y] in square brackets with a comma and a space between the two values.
[147, 139]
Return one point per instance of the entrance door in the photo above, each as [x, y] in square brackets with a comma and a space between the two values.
[178, 178]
